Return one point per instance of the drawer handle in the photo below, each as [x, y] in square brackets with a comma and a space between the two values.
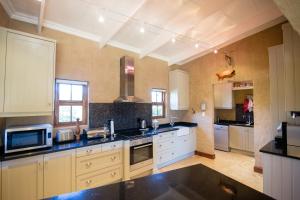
[88, 182]
[89, 151]
[114, 146]
[113, 174]
[160, 157]
[88, 164]
[184, 140]
[172, 142]
[160, 145]
[113, 158]
[160, 136]
[172, 153]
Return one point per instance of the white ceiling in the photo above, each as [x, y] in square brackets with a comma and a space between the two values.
[209, 23]
[291, 9]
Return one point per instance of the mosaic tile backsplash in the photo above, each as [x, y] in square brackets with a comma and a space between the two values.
[125, 115]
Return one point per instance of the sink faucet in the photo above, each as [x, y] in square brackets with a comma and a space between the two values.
[249, 119]
[172, 121]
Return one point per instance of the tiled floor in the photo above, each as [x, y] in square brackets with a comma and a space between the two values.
[234, 165]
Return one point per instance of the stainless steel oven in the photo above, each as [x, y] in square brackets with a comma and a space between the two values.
[25, 138]
[141, 153]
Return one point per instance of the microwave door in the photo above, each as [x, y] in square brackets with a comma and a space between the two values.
[24, 140]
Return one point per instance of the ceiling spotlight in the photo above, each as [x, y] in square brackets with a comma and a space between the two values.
[216, 51]
[142, 30]
[173, 39]
[101, 19]
[196, 45]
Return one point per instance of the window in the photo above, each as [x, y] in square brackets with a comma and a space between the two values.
[158, 103]
[71, 102]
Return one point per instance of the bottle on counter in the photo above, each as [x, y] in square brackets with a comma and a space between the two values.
[77, 130]
[111, 126]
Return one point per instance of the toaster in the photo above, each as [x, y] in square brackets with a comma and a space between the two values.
[95, 133]
[64, 135]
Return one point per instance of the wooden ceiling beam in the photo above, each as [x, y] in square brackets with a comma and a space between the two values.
[41, 16]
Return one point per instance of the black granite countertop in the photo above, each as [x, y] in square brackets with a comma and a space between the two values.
[288, 151]
[59, 147]
[234, 123]
[84, 142]
[190, 183]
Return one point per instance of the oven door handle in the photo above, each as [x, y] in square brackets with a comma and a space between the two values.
[139, 147]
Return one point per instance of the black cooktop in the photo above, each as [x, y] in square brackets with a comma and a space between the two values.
[136, 133]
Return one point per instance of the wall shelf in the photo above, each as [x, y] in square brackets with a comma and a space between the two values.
[243, 88]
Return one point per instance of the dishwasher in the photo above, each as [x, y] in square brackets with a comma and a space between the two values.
[221, 134]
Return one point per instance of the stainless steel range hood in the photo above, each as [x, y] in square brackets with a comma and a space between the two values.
[127, 81]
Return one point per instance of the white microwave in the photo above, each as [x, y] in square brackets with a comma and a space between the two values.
[24, 138]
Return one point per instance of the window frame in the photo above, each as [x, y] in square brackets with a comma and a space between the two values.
[163, 103]
[83, 103]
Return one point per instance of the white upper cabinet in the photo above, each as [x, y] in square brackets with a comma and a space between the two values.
[29, 74]
[179, 90]
[223, 96]
[291, 41]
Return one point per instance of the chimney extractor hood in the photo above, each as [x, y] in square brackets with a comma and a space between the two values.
[127, 81]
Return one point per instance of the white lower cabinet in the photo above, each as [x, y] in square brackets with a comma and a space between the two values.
[281, 177]
[59, 173]
[241, 138]
[62, 172]
[23, 179]
[170, 147]
[99, 165]
[99, 177]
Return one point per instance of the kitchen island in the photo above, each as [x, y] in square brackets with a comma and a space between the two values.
[281, 167]
[195, 182]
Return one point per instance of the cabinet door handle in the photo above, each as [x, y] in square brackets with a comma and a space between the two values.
[113, 158]
[160, 145]
[88, 182]
[113, 174]
[40, 165]
[89, 151]
[88, 164]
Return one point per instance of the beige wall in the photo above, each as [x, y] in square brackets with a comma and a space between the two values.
[251, 63]
[3, 17]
